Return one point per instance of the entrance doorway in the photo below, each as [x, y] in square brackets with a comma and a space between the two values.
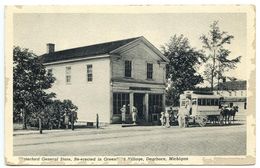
[140, 105]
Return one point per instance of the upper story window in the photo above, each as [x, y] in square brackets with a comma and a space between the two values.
[89, 73]
[149, 71]
[242, 93]
[128, 69]
[68, 75]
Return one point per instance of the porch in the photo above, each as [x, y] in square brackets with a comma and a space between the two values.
[149, 105]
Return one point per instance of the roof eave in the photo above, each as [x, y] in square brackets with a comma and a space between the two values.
[77, 59]
[158, 52]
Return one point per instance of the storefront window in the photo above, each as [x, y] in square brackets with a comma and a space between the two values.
[120, 99]
[155, 103]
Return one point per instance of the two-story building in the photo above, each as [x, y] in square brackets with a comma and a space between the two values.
[101, 78]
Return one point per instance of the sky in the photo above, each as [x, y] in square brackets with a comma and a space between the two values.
[35, 30]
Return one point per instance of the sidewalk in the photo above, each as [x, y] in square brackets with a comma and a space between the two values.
[109, 128]
[25, 132]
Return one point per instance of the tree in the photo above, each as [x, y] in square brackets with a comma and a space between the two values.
[30, 80]
[217, 59]
[182, 69]
[54, 113]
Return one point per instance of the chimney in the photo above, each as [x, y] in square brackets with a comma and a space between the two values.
[50, 48]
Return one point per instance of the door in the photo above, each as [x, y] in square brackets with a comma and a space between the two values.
[139, 104]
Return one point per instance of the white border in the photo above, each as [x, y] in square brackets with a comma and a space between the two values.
[103, 2]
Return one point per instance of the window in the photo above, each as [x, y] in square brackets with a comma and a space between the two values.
[68, 75]
[203, 102]
[242, 93]
[216, 102]
[49, 71]
[199, 102]
[89, 73]
[212, 102]
[128, 69]
[155, 103]
[120, 99]
[149, 71]
[183, 102]
[208, 102]
[194, 101]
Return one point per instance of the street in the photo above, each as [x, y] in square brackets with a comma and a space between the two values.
[135, 141]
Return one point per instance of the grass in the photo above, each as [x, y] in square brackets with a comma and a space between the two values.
[19, 126]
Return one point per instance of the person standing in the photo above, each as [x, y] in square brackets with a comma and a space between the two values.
[189, 106]
[162, 119]
[181, 117]
[134, 114]
[123, 111]
[188, 112]
[167, 119]
[66, 120]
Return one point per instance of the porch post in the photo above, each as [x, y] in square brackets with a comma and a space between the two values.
[111, 106]
[163, 102]
[131, 99]
[146, 99]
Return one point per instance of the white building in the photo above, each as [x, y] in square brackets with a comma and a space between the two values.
[234, 93]
[101, 78]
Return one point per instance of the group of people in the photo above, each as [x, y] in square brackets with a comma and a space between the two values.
[165, 119]
[133, 112]
[182, 115]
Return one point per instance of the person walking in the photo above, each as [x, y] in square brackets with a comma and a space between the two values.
[123, 111]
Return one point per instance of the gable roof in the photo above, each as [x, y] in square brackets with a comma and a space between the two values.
[232, 85]
[86, 51]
